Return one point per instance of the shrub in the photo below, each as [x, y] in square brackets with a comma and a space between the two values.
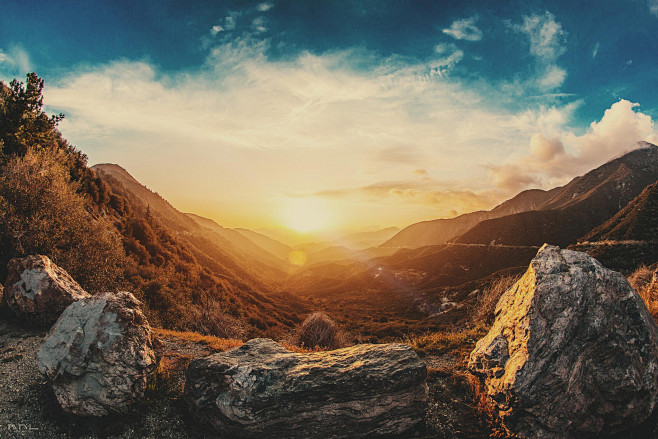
[210, 318]
[486, 303]
[319, 330]
[645, 281]
[41, 213]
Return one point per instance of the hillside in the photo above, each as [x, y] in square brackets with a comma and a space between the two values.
[638, 221]
[440, 231]
[576, 208]
[110, 232]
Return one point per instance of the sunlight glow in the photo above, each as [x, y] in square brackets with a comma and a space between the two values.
[305, 214]
[297, 257]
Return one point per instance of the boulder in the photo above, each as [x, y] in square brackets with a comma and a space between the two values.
[99, 355]
[263, 390]
[572, 352]
[39, 290]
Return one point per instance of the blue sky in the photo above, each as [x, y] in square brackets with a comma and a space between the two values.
[383, 112]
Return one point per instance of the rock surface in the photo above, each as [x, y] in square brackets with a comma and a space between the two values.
[99, 355]
[573, 351]
[263, 390]
[39, 290]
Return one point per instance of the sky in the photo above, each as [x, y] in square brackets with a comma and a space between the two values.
[342, 114]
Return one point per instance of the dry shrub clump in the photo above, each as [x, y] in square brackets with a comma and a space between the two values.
[211, 319]
[319, 331]
[645, 281]
[488, 299]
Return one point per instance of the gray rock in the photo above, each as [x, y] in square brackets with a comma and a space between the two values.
[39, 290]
[99, 355]
[572, 352]
[263, 390]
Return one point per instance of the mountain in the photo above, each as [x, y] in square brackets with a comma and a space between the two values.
[277, 248]
[440, 231]
[638, 221]
[575, 209]
[187, 268]
[169, 215]
[569, 211]
[363, 240]
[243, 247]
[630, 238]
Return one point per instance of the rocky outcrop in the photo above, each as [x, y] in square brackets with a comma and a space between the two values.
[573, 351]
[263, 390]
[99, 355]
[39, 290]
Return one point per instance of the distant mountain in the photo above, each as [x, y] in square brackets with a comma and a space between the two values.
[570, 211]
[315, 241]
[242, 246]
[440, 231]
[277, 248]
[181, 260]
[575, 209]
[638, 221]
[363, 240]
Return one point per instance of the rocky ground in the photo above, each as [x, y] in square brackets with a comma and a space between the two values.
[28, 408]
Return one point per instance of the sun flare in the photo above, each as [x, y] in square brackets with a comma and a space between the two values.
[305, 214]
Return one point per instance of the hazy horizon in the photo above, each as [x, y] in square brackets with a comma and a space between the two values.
[331, 116]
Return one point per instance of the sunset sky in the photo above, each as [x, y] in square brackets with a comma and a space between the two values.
[342, 114]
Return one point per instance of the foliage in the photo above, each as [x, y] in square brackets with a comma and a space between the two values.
[41, 213]
[53, 204]
[319, 330]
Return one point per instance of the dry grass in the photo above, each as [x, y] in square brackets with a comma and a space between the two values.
[485, 306]
[215, 343]
[645, 281]
[168, 378]
[461, 342]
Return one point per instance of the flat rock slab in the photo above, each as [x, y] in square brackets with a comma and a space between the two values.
[99, 355]
[263, 390]
[573, 351]
[39, 290]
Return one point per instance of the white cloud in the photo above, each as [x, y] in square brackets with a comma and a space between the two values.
[17, 60]
[595, 51]
[264, 128]
[554, 158]
[216, 29]
[264, 7]
[546, 35]
[464, 29]
[553, 78]
[258, 24]
[653, 7]
[230, 22]
[547, 42]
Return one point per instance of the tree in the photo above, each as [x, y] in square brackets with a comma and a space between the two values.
[23, 123]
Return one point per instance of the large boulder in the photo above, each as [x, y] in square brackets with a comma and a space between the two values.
[39, 290]
[263, 390]
[99, 355]
[573, 351]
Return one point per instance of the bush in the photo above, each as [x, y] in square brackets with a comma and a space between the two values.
[41, 213]
[319, 330]
[209, 318]
[645, 281]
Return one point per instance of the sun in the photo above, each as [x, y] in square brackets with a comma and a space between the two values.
[305, 214]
